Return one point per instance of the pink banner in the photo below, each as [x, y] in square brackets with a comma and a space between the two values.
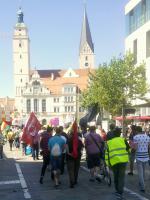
[54, 121]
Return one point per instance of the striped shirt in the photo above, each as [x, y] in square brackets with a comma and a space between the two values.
[142, 141]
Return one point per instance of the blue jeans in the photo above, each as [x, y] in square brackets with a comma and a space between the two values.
[55, 162]
[141, 173]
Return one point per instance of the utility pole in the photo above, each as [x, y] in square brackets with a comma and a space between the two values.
[123, 118]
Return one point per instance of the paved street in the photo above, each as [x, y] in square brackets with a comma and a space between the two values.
[19, 178]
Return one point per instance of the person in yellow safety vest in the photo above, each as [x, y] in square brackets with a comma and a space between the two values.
[116, 156]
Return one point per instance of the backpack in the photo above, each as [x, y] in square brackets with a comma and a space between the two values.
[55, 150]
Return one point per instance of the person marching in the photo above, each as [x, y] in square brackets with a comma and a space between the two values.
[74, 152]
[142, 142]
[56, 145]
[45, 136]
[10, 138]
[65, 137]
[93, 146]
[116, 156]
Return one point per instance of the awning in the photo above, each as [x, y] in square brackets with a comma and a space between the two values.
[133, 118]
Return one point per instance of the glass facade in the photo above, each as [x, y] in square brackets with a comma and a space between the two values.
[138, 16]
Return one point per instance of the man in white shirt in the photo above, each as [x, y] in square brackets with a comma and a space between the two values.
[142, 142]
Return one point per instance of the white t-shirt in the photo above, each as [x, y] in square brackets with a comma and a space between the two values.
[142, 141]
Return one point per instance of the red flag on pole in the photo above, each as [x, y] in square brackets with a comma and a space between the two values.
[31, 128]
[75, 139]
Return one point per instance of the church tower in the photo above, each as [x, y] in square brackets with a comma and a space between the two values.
[21, 59]
[86, 51]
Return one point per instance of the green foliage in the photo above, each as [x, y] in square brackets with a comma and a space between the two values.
[115, 84]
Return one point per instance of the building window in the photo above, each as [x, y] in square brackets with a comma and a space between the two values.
[71, 108]
[135, 51]
[143, 11]
[21, 80]
[56, 109]
[138, 16]
[86, 58]
[35, 90]
[36, 105]
[65, 90]
[20, 70]
[148, 111]
[68, 89]
[81, 109]
[20, 56]
[65, 99]
[19, 44]
[147, 44]
[65, 108]
[28, 105]
[86, 64]
[56, 100]
[143, 111]
[43, 105]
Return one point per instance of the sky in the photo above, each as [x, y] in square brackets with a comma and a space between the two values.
[54, 30]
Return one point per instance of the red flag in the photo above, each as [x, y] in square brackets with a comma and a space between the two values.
[75, 139]
[31, 128]
[3, 125]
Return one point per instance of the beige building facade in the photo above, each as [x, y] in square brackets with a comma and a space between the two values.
[50, 93]
[7, 107]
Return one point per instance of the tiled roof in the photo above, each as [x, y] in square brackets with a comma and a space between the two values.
[54, 79]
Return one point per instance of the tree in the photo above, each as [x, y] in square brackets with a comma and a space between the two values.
[116, 84]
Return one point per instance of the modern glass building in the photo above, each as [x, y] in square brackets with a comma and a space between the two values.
[137, 39]
[137, 16]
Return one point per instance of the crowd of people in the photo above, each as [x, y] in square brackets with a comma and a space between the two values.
[59, 147]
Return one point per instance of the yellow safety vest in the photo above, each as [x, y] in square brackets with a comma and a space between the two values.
[116, 151]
